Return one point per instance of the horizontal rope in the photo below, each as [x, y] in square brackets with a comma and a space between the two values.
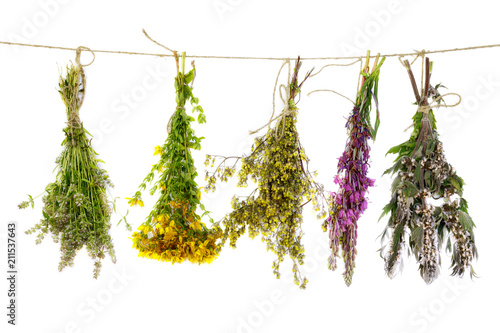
[254, 58]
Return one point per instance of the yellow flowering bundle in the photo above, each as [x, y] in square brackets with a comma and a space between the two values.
[173, 231]
[279, 166]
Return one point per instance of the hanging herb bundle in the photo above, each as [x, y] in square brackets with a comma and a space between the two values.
[423, 174]
[76, 208]
[173, 231]
[278, 164]
[350, 201]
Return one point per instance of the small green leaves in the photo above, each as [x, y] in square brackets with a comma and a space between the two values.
[387, 209]
[201, 118]
[409, 190]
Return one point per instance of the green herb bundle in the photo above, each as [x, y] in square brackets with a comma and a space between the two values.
[278, 164]
[422, 176]
[173, 231]
[76, 208]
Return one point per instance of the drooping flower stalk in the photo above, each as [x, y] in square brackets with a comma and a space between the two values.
[423, 176]
[350, 201]
[173, 231]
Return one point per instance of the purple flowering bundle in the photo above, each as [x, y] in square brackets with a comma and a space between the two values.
[350, 201]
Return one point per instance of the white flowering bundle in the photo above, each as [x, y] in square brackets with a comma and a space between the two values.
[427, 208]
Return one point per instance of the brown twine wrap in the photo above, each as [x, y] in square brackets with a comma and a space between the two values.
[76, 102]
[434, 104]
[169, 124]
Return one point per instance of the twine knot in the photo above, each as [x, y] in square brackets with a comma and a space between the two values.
[435, 103]
[76, 101]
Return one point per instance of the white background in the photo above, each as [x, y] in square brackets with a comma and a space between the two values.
[238, 292]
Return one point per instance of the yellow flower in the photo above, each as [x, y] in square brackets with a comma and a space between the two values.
[157, 150]
[195, 225]
[132, 201]
[135, 201]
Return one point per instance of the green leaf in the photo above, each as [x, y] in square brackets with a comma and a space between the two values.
[448, 245]
[417, 235]
[189, 76]
[463, 206]
[466, 221]
[409, 190]
[427, 177]
[201, 118]
[395, 168]
[418, 173]
[455, 183]
[394, 150]
[387, 209]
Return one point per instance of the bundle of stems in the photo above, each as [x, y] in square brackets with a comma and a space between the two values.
[350, 201]
[76, 207]
[173, 231]
[427, 208]
[279, 166]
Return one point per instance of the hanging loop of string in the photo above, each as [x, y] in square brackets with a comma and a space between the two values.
[286, 110]
[341, 65]
[80, 66]
[333, 91]
[435, 103]
[74, 96]
[360, 60]
[176, 56]
[79, 50]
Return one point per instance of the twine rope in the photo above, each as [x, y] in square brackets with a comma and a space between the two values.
[250, 58]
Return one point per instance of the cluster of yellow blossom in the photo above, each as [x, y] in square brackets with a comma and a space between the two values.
[135, 201]
[178, 241]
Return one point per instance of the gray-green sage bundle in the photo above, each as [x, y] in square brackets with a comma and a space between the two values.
[76, 209]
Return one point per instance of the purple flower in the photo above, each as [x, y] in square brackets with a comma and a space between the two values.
[350, 201]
